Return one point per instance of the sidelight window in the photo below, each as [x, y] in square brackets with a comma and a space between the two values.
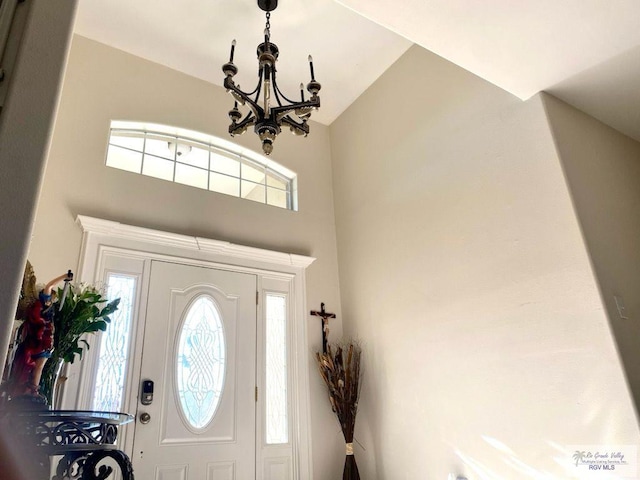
[113, 354]
[277, 421]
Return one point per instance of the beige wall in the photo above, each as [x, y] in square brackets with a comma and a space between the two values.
[602, 167]
[103, 84]
[463, 271]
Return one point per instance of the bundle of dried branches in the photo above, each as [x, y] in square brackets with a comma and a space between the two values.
[341, 374]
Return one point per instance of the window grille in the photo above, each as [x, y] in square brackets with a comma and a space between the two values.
[201, 161]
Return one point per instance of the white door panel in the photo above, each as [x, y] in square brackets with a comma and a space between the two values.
[214, 365]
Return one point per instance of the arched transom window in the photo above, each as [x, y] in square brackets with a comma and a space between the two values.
[200, 160]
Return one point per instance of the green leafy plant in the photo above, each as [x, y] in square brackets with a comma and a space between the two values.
[85, 310]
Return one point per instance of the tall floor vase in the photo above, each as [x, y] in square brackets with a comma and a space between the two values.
[350, 468]
[341, 373]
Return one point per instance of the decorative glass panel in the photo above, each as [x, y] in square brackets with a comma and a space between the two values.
[277, 428]
[201, 362]
[114, 346]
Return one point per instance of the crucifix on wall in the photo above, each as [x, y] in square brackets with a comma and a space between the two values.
[325, 324]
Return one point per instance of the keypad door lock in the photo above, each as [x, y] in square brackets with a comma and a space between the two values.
[146, 395]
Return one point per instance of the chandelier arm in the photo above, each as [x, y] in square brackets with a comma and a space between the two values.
[300, 127]
[246, 94]
[278, 92]
[293, 122]
[247, 121]
[229, 84]
[287, 108]
[256, 90]
[289, 120]
[257, 110]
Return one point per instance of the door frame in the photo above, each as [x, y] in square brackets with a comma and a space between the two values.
[104, 240]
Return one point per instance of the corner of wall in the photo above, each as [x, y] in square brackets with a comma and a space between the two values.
[601, 167]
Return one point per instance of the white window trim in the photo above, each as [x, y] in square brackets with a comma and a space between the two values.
[103, 239]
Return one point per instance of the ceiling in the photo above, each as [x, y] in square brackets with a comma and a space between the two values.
[586, 52]
[194, 36]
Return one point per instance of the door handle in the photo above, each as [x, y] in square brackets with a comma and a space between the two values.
[145, 418]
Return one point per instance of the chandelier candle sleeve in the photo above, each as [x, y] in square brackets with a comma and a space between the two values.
[233, 49]
[313, 76]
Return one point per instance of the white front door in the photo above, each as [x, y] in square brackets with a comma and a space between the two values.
[199, 351]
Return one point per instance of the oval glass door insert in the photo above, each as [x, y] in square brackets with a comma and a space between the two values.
[200, 363]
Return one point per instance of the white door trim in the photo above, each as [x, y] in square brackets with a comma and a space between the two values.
[101, 237]
[187, 244]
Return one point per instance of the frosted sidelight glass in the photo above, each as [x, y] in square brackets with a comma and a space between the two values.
[111, 370]
[277, 419]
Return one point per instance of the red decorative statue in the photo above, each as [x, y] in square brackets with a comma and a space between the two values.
[35, 341]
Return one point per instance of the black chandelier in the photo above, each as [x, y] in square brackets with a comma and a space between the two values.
[267, 116]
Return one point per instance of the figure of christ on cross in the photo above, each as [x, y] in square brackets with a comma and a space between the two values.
[325, 324]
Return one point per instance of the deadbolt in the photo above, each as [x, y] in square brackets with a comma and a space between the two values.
[145, 418]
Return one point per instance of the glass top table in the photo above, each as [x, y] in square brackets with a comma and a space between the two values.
[116, 418]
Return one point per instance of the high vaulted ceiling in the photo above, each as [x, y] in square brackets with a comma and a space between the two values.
[194, 36]
[586, 52]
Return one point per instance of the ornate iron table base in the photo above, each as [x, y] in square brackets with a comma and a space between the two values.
[86, 441]
[86, 466]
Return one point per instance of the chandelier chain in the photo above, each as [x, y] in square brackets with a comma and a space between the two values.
[268, 24]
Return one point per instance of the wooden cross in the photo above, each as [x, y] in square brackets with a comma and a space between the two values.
[325, 324]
